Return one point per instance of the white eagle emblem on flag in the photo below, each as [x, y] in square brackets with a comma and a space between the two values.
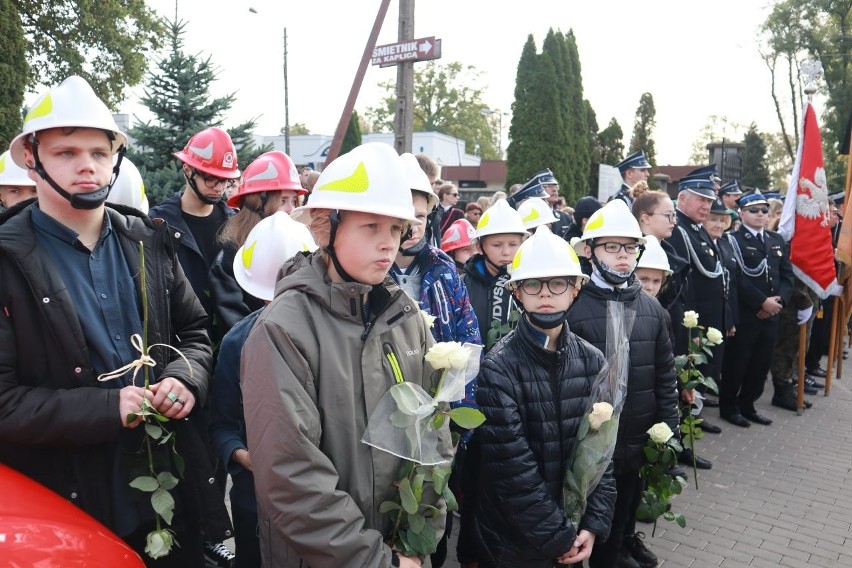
[815, 205]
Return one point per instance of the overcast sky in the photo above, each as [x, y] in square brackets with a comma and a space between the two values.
[696, 58]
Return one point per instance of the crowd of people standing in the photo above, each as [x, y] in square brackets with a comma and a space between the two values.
[280, 306]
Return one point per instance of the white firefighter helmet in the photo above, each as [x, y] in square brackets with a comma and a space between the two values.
[11, 174]
[72, 103]
[129, 188]
[534, 212]
[272, 242]
[500, 219]
[417, 179]
[370, 179]
[654, 256]
[544, 255]
[612, 220]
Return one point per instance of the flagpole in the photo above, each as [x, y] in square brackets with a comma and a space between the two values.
[832, 343]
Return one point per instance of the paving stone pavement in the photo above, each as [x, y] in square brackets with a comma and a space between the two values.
[778, 495]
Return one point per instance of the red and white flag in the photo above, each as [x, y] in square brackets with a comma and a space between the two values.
[805, 218]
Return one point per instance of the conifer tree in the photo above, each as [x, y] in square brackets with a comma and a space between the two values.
[755, 172]
[352, 138]
[562, 141]
[643, 128]
[530, 129]
[13, 69]
[178, 94]
[576, 123]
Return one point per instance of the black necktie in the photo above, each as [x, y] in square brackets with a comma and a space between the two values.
[760, 237]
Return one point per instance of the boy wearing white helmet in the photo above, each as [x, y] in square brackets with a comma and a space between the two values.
[15, 184]
[338, 334]
[70, 290]
[534, 388]
[653, 267]
[613, 241]
[499, 234]
[271, 243]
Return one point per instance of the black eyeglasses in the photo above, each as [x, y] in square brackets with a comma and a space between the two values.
[212, 181]
[556, 286]
[756, 210]
[670, 216]
[453, 194]
[615, 248]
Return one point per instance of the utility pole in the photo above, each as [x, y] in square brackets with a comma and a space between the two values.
[404, 121]
[286, 100]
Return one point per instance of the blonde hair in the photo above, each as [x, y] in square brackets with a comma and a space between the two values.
[235, 231]
[638, 189]
[498, 195]
[775, 207]
[320, 226]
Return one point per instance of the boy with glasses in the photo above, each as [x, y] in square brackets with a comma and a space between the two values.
[764, 286]
[534, 388]
[613, 242]
[209, 166]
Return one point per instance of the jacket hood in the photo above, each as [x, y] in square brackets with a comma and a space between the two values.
[308, 273]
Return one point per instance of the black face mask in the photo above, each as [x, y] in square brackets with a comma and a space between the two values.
[548, 321]
[614, 277]
[86, 200]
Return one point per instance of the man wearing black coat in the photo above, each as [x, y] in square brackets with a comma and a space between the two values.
[764, 287]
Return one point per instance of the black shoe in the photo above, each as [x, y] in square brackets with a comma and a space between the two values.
[685, 458]
[217, 555]
[811, 382]
[708, 427]
[626, 561]
[787, 399]
[637, 549]
[757, 418]
[818, 372]
[711, 402]
[736, 420]
[677, 471]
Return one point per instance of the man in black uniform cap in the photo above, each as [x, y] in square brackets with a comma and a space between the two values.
[634, 168]
[764, 286]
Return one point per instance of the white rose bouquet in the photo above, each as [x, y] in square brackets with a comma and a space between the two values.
[699, 344]
[661, 454]
[596, 436]
[407, 423]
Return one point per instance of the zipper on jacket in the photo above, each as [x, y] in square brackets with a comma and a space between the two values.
[394, 363]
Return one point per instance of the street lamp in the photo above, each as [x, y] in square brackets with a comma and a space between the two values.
[286, 92]
[485, 111]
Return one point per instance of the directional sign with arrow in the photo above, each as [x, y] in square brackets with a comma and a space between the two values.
[421, 49]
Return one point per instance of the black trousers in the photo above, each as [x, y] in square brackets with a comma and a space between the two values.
[820, 335]
[748, 358]
[629, 487]
[246, 538]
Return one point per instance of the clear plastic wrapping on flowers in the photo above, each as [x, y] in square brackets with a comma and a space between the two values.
[406, 421]
[594, 448]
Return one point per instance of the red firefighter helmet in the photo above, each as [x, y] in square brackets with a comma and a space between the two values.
[273, 171]
[460, 234]
[211, 152]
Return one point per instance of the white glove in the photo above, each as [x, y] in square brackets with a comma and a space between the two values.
[805, 315]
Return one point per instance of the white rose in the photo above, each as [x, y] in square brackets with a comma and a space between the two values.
[447, 355]
[660, 433]
[159, 543]
[714, 336]
[601, 412]
[690, 319]
[429, 319]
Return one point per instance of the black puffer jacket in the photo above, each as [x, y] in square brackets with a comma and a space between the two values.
[534, 400]
[651, 382]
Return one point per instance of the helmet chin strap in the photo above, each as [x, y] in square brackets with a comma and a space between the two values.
[415, 249]
[190, 180]
[86, 200]
[334, 218]
[615, 277]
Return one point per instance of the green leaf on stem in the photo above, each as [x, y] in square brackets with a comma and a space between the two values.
[167, 480]
[417, 486]
[406, 496]
[164, 504]
[438, 420]
[452, 504]
[180, 464]
[388, 506]
[154, 431]
[467, 417]
[651, 454]
[416, 523]
[145, 483]
[680, 520]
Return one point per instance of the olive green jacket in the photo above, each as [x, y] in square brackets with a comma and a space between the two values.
[312, 372]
